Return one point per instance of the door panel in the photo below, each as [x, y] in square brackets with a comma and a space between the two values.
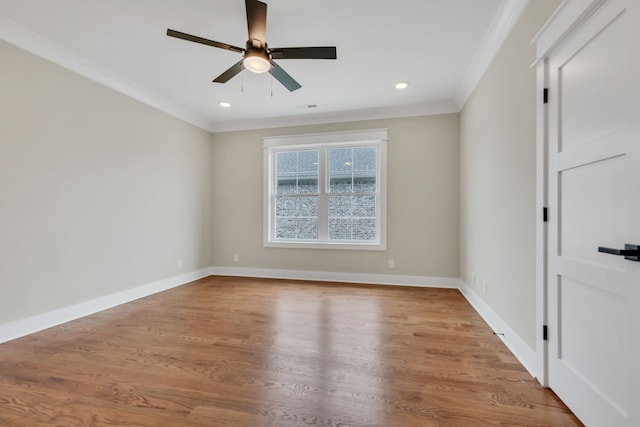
[594, 139]
[576, 303]
[593, 84]
[586, 204]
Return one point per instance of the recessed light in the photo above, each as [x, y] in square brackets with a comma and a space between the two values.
[224, 104]
[402, 85]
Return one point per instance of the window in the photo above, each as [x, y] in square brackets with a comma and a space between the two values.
[326, 190]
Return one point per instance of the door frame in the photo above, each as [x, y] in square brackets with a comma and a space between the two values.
[567, 18]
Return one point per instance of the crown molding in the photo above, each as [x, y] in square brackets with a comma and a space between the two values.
[444, 107]
[32, 42]
[503, 21]
[507, 14]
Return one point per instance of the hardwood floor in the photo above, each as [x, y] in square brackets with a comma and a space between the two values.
[227, 351]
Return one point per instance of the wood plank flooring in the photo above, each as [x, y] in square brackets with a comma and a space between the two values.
[245, 352]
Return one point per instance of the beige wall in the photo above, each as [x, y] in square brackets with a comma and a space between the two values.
[423, 183]
[498, 180]
[98, 192]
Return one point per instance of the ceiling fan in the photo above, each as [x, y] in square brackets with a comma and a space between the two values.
[257, 57]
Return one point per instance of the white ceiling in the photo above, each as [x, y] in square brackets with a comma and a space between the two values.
[441, 47]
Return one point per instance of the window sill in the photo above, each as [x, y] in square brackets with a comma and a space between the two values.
[373, 246]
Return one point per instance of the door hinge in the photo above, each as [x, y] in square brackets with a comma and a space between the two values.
[545, 333]
[545, 214]
[545, 95]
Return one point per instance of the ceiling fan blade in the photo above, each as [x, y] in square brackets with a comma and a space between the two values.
[196, 39]
[283, 77]
[230, 73]
[257, 22]
[325, 52]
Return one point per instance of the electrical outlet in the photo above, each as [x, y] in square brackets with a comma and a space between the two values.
[179, 264]
[392, 263]
[236, 258]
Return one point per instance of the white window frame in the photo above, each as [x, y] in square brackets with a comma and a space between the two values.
[273, 145]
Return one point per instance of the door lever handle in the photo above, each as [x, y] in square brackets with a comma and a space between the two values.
[630, 252]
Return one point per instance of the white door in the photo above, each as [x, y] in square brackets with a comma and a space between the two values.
[594, 200]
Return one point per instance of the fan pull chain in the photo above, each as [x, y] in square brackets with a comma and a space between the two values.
[271, 81]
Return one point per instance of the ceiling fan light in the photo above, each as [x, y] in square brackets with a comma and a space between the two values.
[257, 61]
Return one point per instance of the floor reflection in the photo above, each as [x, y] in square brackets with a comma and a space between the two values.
[325, 349]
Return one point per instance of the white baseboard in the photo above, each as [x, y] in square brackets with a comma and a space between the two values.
[327, 276]
[518, 347]
[514, 343]
[20, 328]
